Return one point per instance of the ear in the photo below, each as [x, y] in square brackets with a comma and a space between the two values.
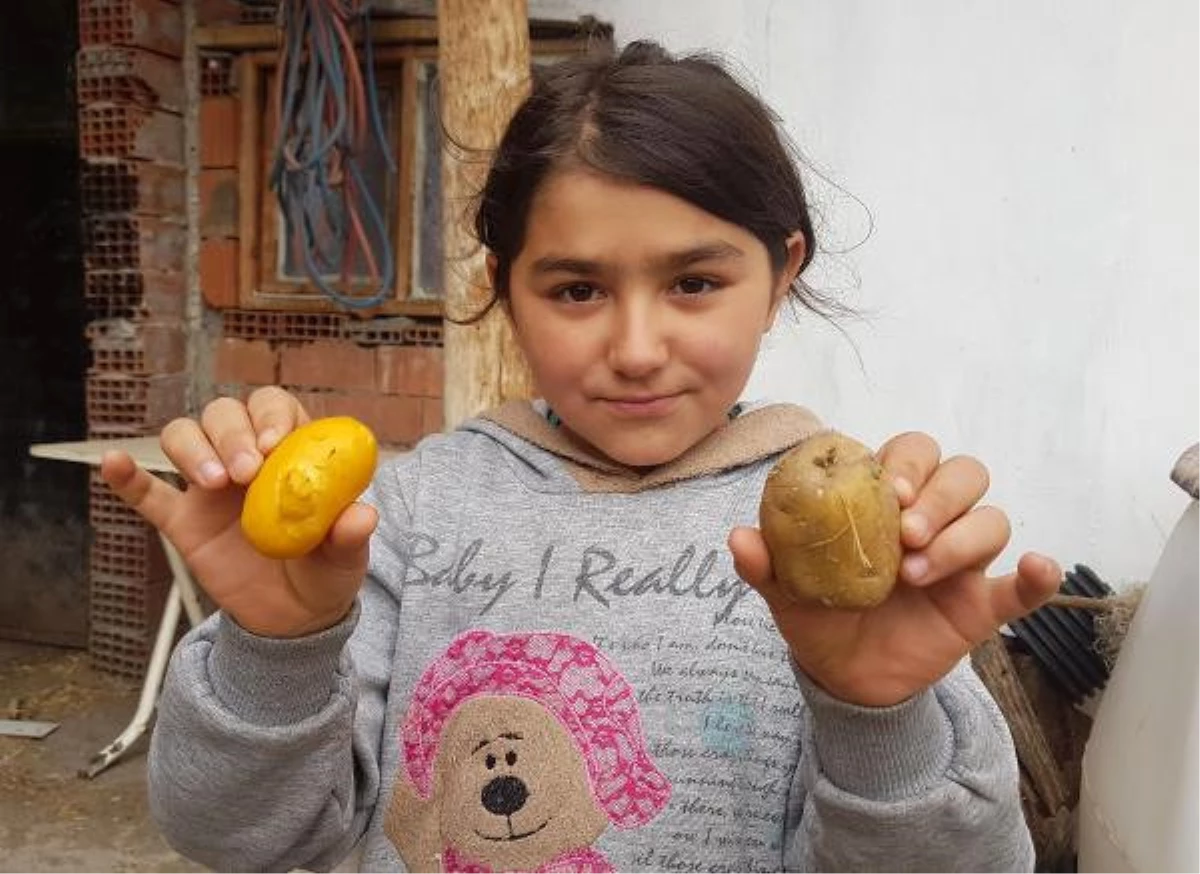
[414, 826]
[493, 264]
[796, 250]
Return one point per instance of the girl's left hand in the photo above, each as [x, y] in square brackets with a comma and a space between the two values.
[943, 605]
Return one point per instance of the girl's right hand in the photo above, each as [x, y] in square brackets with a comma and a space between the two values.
[218, 456]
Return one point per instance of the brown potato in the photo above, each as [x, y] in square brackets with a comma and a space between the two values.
[831, 520]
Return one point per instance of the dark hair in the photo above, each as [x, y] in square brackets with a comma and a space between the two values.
[682, 125]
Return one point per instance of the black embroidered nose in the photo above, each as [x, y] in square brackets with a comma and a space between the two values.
[504, 796]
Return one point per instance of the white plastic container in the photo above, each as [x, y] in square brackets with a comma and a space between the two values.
[1137, 804]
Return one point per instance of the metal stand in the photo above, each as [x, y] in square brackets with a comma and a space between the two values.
[182, 597]
[147, 452]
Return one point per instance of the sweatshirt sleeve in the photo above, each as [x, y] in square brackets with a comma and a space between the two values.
[266, 753]
[930, 784]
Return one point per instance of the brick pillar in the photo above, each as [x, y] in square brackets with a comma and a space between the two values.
[132, 179]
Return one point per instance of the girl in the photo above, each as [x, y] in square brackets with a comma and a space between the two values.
[564, 649]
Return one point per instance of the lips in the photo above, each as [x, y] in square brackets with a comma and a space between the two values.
[642, 406]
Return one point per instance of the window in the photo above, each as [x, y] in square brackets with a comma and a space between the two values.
[272, 272]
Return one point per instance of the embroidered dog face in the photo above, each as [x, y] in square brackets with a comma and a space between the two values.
[520, 750]
[516, 785]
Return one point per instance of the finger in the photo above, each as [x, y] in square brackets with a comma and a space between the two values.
[188, 448]
[150, 496]
[346, 544]
[227, 425]
[910, 458]
[275, 413]
[751, 560]
[970, 543]
[1036, 579]
[951, 490]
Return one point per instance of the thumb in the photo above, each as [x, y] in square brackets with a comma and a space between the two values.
[751, 559]
[345, 546]
[1037, 578]
[150, 496]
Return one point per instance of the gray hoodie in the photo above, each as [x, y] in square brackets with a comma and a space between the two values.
[552, 666]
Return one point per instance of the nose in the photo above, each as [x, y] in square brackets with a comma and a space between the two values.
[504, 796]
[638, 340]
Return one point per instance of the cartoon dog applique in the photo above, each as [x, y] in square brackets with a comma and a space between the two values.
[519, 750]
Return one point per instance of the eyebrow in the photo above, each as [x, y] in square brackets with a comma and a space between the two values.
[507, 735]
[716, 250]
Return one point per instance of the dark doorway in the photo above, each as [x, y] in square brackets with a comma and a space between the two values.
[43, 355]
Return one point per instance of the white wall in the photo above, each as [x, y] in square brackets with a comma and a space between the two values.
[1031, 279]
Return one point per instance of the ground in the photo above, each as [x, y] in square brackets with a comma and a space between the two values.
[50, 818]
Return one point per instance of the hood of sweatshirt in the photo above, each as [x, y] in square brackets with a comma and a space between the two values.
[753, 435]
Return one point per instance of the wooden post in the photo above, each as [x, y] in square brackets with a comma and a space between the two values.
[994, 666]
[483, 66]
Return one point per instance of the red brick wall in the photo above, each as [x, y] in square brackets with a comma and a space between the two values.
[395, 389]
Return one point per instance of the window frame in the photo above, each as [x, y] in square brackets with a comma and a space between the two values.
[259, 285]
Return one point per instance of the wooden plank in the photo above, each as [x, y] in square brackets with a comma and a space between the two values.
[242, 37]
[26, 728]
[994, 666]
[484, 62]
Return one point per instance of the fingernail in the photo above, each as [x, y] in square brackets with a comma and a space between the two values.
[904, 489]
[914, 525]
[211, 471]
[267, 439]
[244, 466]
[914, 568]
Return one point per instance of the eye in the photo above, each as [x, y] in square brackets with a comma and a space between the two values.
[578, 292]
[511, 758]
[489, 761]
[694, 285]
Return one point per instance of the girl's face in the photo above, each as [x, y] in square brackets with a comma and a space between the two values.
[640, 314]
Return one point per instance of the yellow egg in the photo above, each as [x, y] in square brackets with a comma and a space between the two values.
[314, 474]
